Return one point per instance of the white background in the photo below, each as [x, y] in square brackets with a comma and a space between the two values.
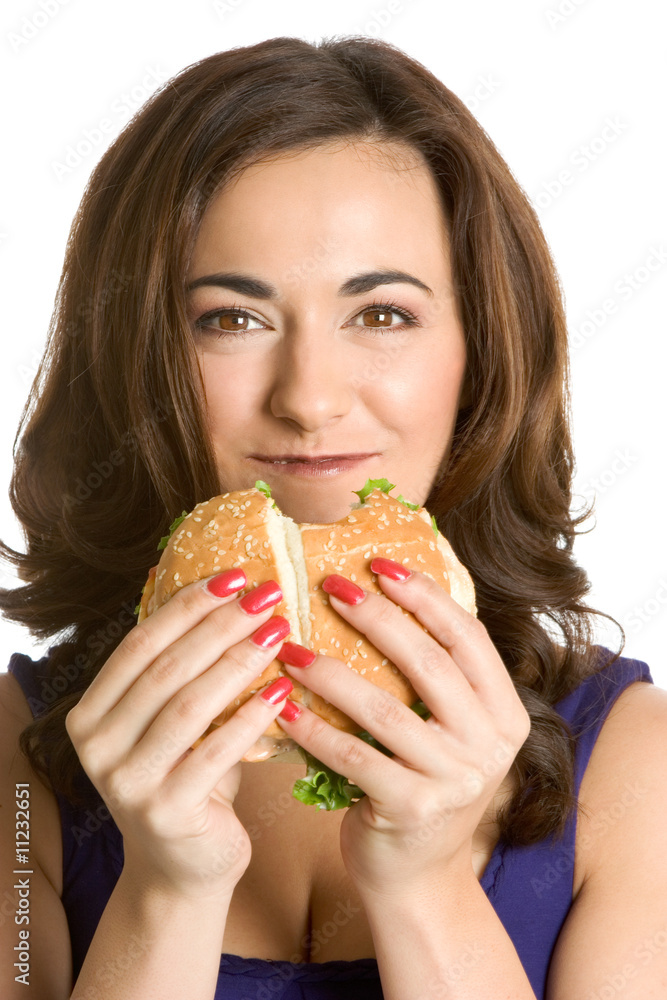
[545, 79]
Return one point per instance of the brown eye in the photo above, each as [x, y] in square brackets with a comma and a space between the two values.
[227, 321]
[380, 317]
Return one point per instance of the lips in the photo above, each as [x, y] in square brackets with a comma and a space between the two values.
[310, 460]
[311, 466]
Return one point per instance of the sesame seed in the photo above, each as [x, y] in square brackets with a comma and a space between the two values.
[367, 554]
[385, 662]
[189, 555]
[363, 671]
[358, 643]
[375, 668]
[346, 652]
[176, 576]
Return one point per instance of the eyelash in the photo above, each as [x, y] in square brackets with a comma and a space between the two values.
[409, 319]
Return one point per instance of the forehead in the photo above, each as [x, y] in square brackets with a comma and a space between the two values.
[343, 194]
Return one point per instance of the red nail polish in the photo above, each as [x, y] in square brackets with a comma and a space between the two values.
[261, 598]
[271, 632]
[344, 589]
[277, 691]
[387, 567]
[296, 655]
[227, 583]
[290, 711]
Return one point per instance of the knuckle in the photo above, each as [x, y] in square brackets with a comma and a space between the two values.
[187, 704]
[388, 712]
[219, 624]
[137, 642]
[120, 792]
[466, 628]
[350, 752]
[384, 613]
[72, 723]
[215, 747]
[192, 598]
[166, 667]
[245, 660]
[428, 659]
[90, 753]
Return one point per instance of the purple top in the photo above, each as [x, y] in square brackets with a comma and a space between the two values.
[530, 888]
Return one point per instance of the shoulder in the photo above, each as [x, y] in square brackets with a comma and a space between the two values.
[626, 772]
[615, 928]
[45, 831]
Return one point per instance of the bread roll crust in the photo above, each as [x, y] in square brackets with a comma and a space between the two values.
[240, 529]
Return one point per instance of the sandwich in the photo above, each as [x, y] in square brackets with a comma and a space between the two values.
[246, 528]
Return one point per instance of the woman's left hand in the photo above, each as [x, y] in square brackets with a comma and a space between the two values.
[424, 803]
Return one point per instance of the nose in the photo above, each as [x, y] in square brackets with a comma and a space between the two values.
[313, 379]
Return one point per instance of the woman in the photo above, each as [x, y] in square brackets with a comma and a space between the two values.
[223, 310]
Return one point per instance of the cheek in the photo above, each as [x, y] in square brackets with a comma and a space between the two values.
[231, 396]
[419, 389]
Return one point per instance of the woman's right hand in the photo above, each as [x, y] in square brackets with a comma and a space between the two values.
[156, 694]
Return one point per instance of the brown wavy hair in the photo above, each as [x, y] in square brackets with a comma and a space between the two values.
[115, 441]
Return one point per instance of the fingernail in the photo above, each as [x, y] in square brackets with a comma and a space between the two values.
[271, 632]
[343, 589]
[277, 691]
[387, 567]
[290, 711]
[227, 583]
[261, 598]
[296, 655]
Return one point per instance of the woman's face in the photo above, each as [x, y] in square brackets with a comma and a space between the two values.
[315, 353]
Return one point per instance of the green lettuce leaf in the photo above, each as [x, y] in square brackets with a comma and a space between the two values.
[162, 544]
[374, 484]
[265, 489]
[386, 486]
[412, 506]
[326, 789]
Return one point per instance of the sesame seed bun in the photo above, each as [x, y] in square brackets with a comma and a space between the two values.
[245, 528]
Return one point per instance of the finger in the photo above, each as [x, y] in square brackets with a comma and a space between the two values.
[196, 777]
[458, 648]
[392, 723]
[181, 638]
[426, 665]
[192, 709]
[363, 765]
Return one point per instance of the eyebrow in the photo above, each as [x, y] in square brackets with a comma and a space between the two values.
[245, 284]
